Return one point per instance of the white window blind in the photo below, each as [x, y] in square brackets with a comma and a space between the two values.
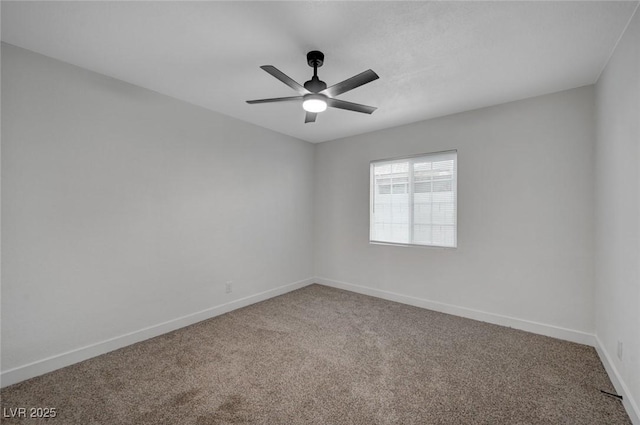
[414, 200]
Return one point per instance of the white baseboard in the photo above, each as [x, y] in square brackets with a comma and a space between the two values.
[483, 316]
[49, 364]
[628, 402]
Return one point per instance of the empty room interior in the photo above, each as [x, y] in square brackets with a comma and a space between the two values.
[320, 212]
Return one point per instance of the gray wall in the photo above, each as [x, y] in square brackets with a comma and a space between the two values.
[123, 208]
[525, 211]
[618, 210]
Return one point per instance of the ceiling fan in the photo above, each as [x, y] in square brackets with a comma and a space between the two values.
[315, 95]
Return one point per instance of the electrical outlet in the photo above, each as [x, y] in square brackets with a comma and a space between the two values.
[620, 346]
[228, 287]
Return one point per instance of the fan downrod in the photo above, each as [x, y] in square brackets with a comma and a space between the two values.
[315, 59]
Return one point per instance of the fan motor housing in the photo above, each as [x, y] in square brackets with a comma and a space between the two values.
[315, 85]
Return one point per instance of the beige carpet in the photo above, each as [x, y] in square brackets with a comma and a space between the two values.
[324, 356]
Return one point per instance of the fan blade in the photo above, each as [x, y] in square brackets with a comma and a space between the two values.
[351, 83]
[310, 117]
[284, 78]
[350, 106]
[275, 99]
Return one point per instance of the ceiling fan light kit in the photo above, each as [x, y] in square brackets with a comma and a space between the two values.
[315, 95]
[314, 102]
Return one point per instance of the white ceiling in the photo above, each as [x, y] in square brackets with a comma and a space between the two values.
[433, 58]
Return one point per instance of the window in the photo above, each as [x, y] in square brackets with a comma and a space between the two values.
[414, 200]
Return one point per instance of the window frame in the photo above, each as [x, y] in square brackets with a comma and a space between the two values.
[410, 185]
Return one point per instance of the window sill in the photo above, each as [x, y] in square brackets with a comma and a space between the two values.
[410, 245]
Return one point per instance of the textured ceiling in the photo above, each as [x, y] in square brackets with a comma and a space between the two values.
[433, 58]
